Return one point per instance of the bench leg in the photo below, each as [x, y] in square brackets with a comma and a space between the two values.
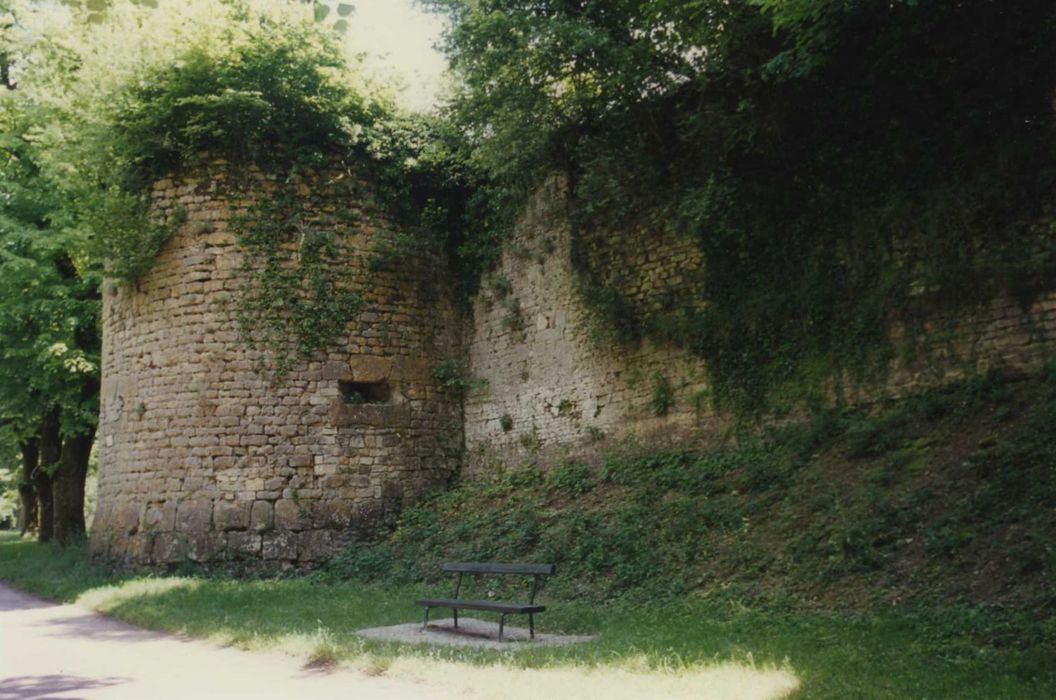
[502, 625]
[456, 617]
[531, 625]
[426, 623]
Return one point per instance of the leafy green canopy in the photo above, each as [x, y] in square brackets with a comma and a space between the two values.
[276, 96]
[843, 165]
[283, 96]
[49, 294]
[270, 95]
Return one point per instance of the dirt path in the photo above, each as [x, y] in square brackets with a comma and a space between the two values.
[53, 652]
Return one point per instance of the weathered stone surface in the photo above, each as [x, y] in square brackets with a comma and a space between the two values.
[291, 514]
[314, 545]
[244, 545]
[160, 517]
[167, 548]
[205, 546]
[127, 518]
[262, 516]
[372, 415]
[279, 546]
[336, 370]
[195, 441]
[370, 368]
[194, 516]
[203, 457]
[231, 515]
[552, 390]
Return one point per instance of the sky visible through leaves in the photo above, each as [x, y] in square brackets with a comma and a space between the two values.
[399, 40]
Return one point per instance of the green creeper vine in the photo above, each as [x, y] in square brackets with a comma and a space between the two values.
[281, 97]
[838, 178]
[298, 293]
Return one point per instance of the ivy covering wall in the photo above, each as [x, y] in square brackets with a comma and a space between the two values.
[843, 166]
[284, 99]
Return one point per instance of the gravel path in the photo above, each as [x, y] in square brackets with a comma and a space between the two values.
[54, 652]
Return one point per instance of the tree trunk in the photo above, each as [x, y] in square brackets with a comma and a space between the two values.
[27, 495]
[50, 452]
[68, 488]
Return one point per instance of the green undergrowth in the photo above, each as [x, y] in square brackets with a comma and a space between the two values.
[942, 498]
[883, 654]
[899, 552]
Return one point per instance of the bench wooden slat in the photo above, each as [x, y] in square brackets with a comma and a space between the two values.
[492, 605]
[491, 567]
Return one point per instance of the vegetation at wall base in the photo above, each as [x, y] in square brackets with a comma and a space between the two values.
[843, 167]
[898, 552]
[941, 498]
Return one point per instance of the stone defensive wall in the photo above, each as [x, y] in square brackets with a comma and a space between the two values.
[556, 385]
[555, 388]
[205, 457]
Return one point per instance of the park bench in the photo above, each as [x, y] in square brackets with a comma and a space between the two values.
[504, 608]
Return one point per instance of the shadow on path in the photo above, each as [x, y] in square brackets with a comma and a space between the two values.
[93, 628]
[40, 687]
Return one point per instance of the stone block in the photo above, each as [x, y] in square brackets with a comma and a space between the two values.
[290, 515]
[205, 546]
[168, 548]
[126, 518]
[194, 516]
[314, 545]
[262, 516]
[139, 548]
[370, 368]
[332, 513]
[159, 517]
[279, 546]
[231, 515]
[243, 545]
[333, 371]
[370, 415]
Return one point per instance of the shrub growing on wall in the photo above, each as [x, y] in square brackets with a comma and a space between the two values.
[283, 96]
[270, 95]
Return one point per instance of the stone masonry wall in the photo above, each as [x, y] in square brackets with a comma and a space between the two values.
[556, 387]
[204, 458]
[553, 390]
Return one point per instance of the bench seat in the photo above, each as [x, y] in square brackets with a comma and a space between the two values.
[503, 608]
[492, 605]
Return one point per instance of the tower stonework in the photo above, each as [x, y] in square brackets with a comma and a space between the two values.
[204, 454]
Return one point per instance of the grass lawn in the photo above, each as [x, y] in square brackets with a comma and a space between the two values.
[689, 647]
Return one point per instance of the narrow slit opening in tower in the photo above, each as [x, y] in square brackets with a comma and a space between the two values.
[364, 392]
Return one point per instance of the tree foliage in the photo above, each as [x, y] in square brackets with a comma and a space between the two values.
[49, 318]
[265, 94]
[841, 164]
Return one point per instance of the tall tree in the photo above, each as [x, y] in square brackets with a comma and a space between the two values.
[28, 517]
[49, 316]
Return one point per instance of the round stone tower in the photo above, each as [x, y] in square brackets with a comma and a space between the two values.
[205, 457]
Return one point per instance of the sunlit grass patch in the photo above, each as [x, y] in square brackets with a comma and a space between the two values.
[629, 679]
[107, 598]
[722, 646]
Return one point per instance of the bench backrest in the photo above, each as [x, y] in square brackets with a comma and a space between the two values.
[492, 567]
